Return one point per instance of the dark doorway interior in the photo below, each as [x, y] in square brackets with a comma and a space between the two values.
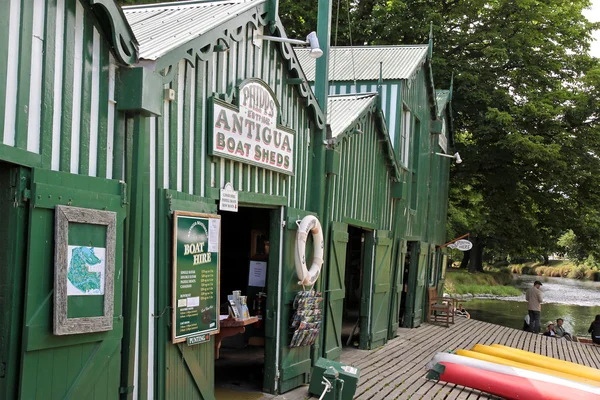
[244, 238]
[353, 282]
[404, 307]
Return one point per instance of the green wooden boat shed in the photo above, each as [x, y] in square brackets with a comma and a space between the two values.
[418, 129]
[116, 120]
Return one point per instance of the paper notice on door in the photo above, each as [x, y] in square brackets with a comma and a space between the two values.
[258, 273]
[213, 235]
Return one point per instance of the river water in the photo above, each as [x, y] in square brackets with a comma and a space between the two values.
[576, 301]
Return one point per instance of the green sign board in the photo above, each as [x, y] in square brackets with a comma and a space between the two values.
[196, 261]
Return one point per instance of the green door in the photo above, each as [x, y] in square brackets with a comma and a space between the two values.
[14, 216]
[381, 288]
[396, 296]
[294, 363]
[334, 306]
[78, 366]
[182, 371]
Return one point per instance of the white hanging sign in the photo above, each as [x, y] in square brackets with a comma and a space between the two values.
[229, 199]
[250, 133]
[462, 245]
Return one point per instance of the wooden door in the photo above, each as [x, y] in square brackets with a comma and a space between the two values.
[334, 299]
[77, 366]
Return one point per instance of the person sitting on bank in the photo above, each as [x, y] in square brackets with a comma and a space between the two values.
[595, 330]
[534, 306]
[462, 312]
[550, 329]
[560, 330]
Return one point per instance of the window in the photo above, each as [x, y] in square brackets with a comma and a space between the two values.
[405, 136]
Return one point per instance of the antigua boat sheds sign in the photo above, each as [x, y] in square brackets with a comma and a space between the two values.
[250, 133]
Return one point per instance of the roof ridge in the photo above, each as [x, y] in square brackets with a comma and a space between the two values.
[362, 94]
[179, 4]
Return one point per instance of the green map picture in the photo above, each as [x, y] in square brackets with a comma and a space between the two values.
[86, 269]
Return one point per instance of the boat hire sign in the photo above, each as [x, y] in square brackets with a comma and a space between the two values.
[196, 261]
[462, 245]
[250, 133]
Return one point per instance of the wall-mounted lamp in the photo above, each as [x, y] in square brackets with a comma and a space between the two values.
[456, 157]
[311, 40]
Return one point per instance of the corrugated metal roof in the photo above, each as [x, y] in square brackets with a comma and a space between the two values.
[442, 97]
[160, 28]
[362, 63]
[344, 109]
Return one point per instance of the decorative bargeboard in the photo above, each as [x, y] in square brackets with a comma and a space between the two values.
[84, 258]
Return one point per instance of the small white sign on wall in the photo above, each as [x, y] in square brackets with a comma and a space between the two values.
[258, 273]
[229, 199]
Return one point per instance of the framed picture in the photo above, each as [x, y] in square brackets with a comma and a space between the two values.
[259, 245]
[84, 258]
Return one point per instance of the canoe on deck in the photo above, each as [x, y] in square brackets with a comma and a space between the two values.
[506, 386]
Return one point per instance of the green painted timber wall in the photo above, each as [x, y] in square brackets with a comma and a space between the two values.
[360, 193]
[182, 174]
[57, 86]
[391, 97]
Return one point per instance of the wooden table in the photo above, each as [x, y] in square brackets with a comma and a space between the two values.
[229, 327]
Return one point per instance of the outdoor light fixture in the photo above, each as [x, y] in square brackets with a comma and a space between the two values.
[456, 157]
[311, 40]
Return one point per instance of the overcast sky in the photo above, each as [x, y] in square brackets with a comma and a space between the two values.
[593, 14]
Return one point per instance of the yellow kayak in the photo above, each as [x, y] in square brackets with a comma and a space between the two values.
[558, 365]
[537, 360]
[504, 361]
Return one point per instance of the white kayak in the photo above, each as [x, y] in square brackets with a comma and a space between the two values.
[507, 370]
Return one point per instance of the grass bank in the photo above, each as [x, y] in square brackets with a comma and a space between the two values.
[558, 269]
[495, 282]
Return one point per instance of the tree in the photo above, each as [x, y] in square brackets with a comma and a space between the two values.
[526, 107]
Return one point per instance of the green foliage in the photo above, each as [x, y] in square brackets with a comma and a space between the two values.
[569, 244]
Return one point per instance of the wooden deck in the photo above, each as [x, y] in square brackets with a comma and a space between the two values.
[397, 370]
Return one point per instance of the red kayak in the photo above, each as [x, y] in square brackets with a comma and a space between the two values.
[507, 386]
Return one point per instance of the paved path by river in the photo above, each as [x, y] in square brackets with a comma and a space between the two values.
[397, 370]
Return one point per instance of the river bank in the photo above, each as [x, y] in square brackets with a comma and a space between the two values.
[576, 301]
[557, 269]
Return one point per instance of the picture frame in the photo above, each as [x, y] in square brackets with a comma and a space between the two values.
[81, 259]
[259, 244]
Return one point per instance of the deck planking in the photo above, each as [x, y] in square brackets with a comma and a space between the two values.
[398, 369]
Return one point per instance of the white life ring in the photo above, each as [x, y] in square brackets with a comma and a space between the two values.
[309, 224]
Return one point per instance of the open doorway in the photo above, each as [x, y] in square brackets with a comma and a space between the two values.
[405, 308]
[353, 283]
[245, 248]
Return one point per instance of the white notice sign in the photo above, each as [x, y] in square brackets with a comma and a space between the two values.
[258, 273]
[213, 235]
[229, 199]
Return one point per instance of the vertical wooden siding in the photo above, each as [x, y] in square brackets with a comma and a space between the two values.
[57, 87]
[182, 160]
[179, 161]
[362, 189]
[391, 100]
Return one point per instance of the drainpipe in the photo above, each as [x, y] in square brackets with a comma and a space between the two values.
[318, 192]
